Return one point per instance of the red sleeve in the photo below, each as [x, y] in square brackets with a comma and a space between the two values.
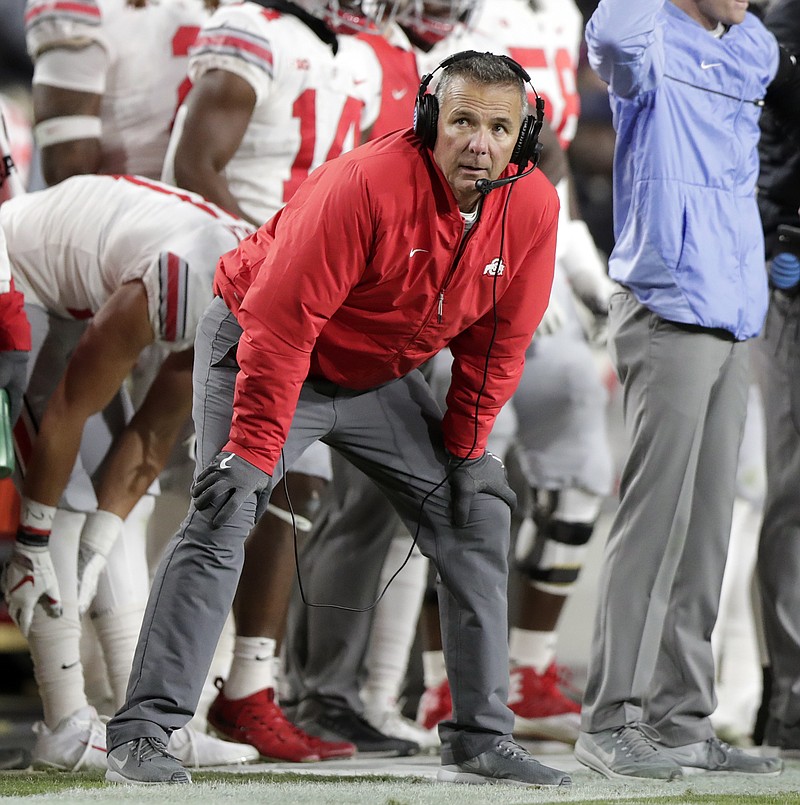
[15, 332]
[321, 246]
[519, 311]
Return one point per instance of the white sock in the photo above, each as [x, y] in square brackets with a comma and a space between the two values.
[126, 578]
[251, 669]
[95, 676]
[394, 626]
[118, 631]
[536, 649]
[55, 642]
[118, 608]
[433, 668]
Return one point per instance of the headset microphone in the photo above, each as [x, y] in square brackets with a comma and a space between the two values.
[485, 186]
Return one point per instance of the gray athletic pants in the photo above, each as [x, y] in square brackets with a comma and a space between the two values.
[777, 362]
[685, 396]
[393, 434]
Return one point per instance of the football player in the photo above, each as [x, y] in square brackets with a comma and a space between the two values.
[108, 266]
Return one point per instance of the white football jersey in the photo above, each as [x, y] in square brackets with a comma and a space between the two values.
[72, 245]
[311, 105]
[146, 58]
[546, 42]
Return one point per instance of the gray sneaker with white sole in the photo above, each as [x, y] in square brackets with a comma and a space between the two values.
[145, 761]
[631, 750]
[507, 763]
[716, 755]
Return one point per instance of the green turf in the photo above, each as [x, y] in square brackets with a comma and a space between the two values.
[265, 787]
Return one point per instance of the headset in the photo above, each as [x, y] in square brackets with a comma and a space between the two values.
[526, 149]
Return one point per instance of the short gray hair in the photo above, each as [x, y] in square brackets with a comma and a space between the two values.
[482, 68]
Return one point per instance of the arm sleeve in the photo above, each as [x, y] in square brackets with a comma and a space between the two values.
[234, 41]
[625, 43]
[468, 420]
[78, 69]
[67, 25]
[322, 243]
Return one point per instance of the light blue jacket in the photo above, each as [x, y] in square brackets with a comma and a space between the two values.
[689, 243]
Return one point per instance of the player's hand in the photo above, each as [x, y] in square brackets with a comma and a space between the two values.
[100, 532]
[29, 579]
[470, 476]
[226, 484]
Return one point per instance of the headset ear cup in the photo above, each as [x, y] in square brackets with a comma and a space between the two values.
[525, 147]
[426, 119]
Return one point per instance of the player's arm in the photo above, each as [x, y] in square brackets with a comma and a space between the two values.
[68, 85]
[100, 363]
[553, 163]
[219, 108]
[67, 131]
[141, 450]
[71, 66]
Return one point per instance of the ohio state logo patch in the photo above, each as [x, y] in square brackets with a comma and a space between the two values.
[495, 268]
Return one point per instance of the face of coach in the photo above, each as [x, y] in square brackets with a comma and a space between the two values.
[477, 130]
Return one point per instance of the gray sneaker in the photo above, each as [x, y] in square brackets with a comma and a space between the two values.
[715, 755]
[628, 751]
[507, 763]
[145, 761]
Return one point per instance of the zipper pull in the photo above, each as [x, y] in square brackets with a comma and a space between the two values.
[440, 309]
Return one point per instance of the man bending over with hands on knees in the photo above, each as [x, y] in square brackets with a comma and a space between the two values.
[383, 257]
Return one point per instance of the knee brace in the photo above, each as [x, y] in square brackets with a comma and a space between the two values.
[555, 557]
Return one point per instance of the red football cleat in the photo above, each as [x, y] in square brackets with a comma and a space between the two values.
[542, 711]
[435, 705]
[257, 720]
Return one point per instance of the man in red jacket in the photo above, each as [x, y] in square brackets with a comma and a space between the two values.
[383, 257]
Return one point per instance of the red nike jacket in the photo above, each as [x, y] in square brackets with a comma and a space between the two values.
[363, 276]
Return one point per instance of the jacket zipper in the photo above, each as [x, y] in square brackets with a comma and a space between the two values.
[456, 260]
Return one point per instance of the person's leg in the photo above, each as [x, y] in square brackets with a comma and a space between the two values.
[735, 640]
[393, 433]
[778, 568]
[246, 707]
[391, 638]
[669, 377]
[71, 735]
[666, 392]
[565, 458]
[472, 561]
[680, 694]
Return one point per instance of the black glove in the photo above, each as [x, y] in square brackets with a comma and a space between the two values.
[13, 371]
[470, 476]
[226, 483]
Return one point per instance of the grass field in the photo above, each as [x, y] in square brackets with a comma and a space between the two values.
[417, 786]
